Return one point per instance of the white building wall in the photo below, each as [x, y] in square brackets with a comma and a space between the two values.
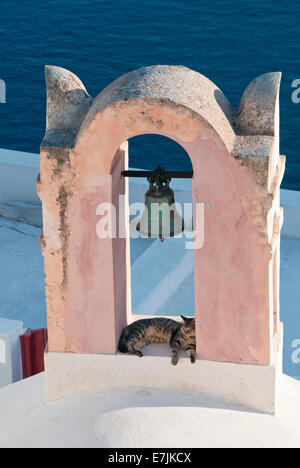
[10, 352]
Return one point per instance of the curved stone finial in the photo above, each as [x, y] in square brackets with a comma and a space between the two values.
[258, 109]
[67, 99]
[170, 85]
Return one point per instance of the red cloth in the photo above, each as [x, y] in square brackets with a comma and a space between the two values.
[33, 344]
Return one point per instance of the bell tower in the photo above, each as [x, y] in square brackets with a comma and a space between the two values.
[237, 170]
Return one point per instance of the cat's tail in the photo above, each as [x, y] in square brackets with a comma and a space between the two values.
[122, 347]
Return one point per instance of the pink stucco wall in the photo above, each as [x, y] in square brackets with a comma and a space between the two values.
[87, 278]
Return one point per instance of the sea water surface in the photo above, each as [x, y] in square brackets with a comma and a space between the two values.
[231, 42]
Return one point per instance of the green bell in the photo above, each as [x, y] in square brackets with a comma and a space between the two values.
[160, 218]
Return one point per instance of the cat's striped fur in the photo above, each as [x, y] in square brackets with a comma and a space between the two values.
[177, 335]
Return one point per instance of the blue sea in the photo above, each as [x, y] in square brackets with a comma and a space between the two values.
[231, 42]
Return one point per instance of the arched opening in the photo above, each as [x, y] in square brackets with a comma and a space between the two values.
[150, 151]
[162, 273]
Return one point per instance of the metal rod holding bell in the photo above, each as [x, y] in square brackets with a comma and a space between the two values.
[160, 218]
[169, 174]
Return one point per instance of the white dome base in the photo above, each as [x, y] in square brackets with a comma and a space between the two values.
[139, 417]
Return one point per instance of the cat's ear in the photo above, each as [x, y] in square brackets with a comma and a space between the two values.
[187, 320]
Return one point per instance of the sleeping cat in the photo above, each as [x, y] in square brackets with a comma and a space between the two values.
[143, 332]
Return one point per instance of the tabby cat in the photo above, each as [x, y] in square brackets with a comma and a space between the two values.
[143, 332]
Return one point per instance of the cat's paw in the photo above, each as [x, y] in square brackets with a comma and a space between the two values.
[175, 360]
[139, 353]
[193, 359]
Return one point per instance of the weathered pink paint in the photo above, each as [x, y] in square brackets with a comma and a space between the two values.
[87, 277]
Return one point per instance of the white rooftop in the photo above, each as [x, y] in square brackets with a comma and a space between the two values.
[139, 417]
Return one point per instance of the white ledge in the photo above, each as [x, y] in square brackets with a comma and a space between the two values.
[255, 387]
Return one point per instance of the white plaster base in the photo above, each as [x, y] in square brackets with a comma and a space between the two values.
[252, 386]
